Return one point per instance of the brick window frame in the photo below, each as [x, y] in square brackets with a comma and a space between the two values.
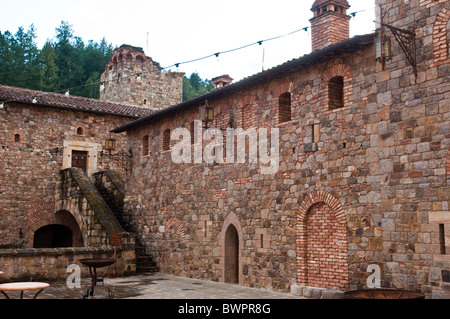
[146, 145]
[331, 74]
[441, 35]
[285, 107]
[80, 131]
[17, 138]
[247, 116]
[165, 142]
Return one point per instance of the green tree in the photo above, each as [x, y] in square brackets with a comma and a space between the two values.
[20, 55]
[66, 49]
[6, 57]
[47, 57]
[194, 86]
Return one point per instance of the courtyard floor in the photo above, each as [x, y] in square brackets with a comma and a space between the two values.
[157, 286]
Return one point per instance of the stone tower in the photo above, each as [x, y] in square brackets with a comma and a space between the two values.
[330, 23]
[133, 78]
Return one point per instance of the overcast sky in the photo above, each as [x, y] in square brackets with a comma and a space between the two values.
[174, 31]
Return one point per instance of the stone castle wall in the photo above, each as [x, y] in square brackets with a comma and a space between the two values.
[374, 168]
[133, 78]
[29, 167]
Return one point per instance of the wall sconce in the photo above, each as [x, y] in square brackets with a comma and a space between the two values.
[207, 112]
[110, 144]
[383, 49]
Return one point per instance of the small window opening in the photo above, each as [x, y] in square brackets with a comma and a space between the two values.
[192, 131]
[284, 107]
[336, 92]
[80, 131]
[166, 140]
[442, 238]
[262, 240]
[17, 138]
[145, 145]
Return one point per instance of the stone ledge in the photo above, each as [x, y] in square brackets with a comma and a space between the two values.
[55, 251]
[316, 292]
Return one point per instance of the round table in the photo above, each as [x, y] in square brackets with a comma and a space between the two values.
[23, 286]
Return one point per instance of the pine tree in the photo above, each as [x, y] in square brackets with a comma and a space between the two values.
[47, 58]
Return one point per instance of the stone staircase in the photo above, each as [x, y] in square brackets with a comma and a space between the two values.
[112, 188]
[144, 261]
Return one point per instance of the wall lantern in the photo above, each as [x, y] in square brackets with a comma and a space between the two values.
[110, 144]
[383, 48]
[207, 112]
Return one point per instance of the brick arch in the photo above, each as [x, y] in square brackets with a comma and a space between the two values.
[278, 87]
[440, 38]
[343, 71]
[175, 223]
[321, 197]
[246, 100]
[322, 249]
[38, 215]
[21, 137]
[337, 70]
[43, 214]
[67, 205]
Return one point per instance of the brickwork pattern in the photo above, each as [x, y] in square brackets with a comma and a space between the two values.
[378, 163]
[29, 169]
[329, 29]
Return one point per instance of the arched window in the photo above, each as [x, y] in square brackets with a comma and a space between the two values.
[166, 140]
[17, 138]
[284, 107]
[140, 59]
[336, 92]
[80, 131]
[192, 132]
[247, 117]
[145, 145]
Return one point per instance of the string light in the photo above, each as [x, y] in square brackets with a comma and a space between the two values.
[177, 65]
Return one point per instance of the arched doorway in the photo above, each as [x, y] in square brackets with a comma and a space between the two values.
[53, 236]
[231, 255]
[322, 245]
[326, 249]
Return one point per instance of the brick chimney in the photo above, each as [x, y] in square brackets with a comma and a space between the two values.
[330, 24]
[221, 81]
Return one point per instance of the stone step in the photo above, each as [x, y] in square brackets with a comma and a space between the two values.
[316, 292]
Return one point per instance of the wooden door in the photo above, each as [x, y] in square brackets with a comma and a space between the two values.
[79, 159]
[232, 255]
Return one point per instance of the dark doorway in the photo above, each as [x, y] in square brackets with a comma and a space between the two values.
[231, 255]
[52, 236]
[79, 159]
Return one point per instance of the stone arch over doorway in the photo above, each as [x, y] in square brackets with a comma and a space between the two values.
[322, 248]
[231, 244]
[74, 220]
[40, 215]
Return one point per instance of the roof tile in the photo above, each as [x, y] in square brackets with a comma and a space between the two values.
[14, 94]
